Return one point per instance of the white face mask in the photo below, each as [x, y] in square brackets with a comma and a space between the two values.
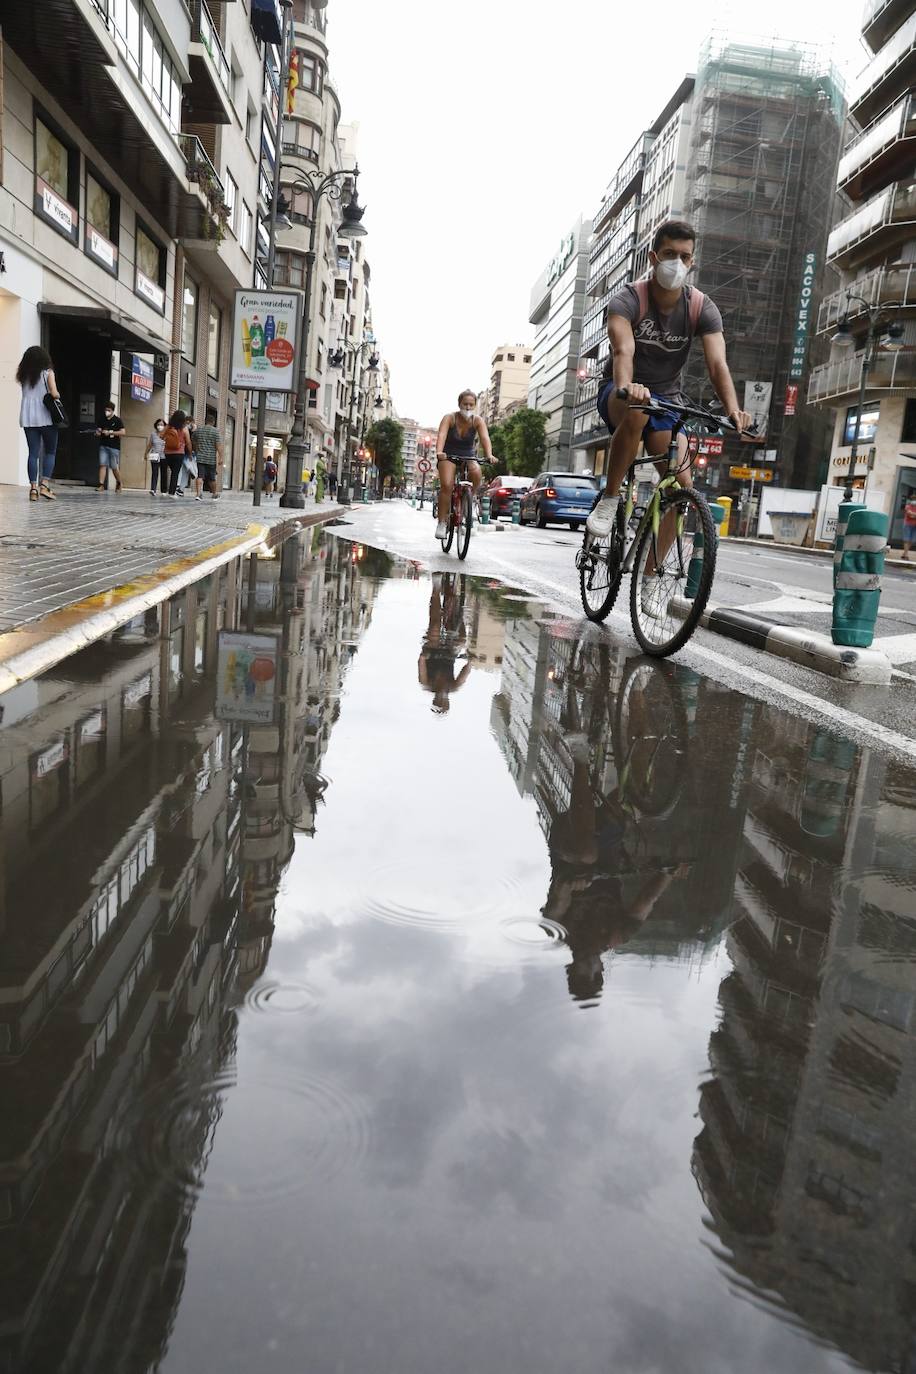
[467, 414]
[671, 274]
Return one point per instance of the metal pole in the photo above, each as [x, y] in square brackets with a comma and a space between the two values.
[853, 456]
[357, 354]
[295, 448]
[285, 62]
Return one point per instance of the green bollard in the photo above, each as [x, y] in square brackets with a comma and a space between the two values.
[485, 508]
[516, 510]
[858, 563]
[695, 567]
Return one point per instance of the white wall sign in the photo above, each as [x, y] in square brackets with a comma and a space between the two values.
[99, 247]
[150, 290]
[757, 398]
[59, 211]
[265, 340]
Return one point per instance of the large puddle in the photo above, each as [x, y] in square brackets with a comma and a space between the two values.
[396, 978]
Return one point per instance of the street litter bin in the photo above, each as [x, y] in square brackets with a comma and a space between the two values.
[789, 526]
[726, 502]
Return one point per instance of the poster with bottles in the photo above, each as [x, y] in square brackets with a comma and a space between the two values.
[265, 337]
[246, 678]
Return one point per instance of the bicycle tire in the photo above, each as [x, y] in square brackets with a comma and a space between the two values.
[598, 597]
[464, 525]
[650, 752]
[652, 631]
[450, 532]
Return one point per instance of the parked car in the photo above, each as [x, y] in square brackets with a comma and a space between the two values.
[502, 490]
[559, 498]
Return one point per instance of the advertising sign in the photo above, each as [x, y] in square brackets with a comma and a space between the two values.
[803, 318]
[712, 446]
[246, 678]
[791, 398]
[265, 337]
[141, 379]
[751, 474]
[757, 398]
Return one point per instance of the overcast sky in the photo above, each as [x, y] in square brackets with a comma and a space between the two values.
[485, 129]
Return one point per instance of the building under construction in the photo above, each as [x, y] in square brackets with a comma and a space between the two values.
[767, 125]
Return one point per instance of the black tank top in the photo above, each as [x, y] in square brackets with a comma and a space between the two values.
[456, 447]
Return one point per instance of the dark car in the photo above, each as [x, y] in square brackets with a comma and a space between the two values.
[502, 490]
[559, 498]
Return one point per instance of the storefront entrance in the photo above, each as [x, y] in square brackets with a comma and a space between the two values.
[905, 491]
[82, 366]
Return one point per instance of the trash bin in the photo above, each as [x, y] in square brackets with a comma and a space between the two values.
[725, 501]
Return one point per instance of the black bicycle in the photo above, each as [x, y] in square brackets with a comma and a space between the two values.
[671, 554]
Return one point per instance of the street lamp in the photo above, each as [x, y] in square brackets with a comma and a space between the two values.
[878, 330]
[337, 359]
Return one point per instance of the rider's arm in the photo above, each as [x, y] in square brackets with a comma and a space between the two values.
[721, 378]
[483, 435]
[443, 434]
[623, 349]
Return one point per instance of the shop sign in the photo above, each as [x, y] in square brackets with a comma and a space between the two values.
[751, 474]
[712, 447]
[99, 247]
[842, 460]
[57, 210]
[791, 399]
[141, 379]
[150, 290]
[265, 337]
[803, 318]
[93, 727]
[246, 677]
[134, 692]
[559, 264]
[50, 759]
[276, 400]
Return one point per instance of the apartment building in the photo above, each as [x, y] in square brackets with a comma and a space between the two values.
[555, 312]
[130, 192]
[510, 367]
[873, 246]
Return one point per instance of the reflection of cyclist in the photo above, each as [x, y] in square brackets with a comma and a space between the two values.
[457, 441]
[445, 638]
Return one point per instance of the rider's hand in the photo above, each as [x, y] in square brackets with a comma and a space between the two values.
[637, 394]
[741, 419]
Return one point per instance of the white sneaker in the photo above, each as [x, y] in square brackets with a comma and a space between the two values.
[442, 529]
[601, 521]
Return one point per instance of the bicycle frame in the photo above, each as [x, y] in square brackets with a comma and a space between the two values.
[652, 512]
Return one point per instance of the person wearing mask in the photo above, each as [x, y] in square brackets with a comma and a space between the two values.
[177, 439]
[456, 442]
[110, 434]
[158, 465]
[35, 375]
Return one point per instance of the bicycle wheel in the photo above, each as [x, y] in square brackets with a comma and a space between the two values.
[600, 563]
[663, 619]
[465, 519]
[450, 530]
[650, 738]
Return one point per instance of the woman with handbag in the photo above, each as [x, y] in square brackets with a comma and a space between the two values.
[177, 443]
[40, 412]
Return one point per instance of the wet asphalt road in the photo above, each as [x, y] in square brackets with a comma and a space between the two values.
[398, 975]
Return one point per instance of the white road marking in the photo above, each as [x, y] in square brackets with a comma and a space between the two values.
[899, 648]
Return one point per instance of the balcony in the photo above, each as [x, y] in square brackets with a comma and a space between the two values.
[891, 374]
[881, 19]
[890, 73]
[626, 181]
[208, 99]
[895, 282]
[884, 152]
[883, 221]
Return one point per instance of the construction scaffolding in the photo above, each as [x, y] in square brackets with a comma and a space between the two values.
[768, 121]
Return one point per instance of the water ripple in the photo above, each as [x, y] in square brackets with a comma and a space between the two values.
[289, 998]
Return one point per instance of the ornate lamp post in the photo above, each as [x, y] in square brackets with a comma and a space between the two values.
[330, 185]
[878, 330]
[337, 359]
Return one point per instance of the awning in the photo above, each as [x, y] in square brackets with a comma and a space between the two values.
[118, 330]
[266, 21]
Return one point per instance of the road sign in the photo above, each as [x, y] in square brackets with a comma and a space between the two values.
[752, 474]
[423, 465]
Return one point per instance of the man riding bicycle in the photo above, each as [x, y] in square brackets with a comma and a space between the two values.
[651, 326]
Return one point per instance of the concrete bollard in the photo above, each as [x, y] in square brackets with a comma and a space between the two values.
[516, 510]
[858, 562]
[696, 563]
[485, 508]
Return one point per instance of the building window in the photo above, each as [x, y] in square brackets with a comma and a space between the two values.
[56, 180]
[289, 269]
[232, 200]
[908, 433]
[324, 299]
[867, 429]
[214, 330]
[340, 290]
[527, 358]
[251, 125]
[245, 222]
[311, 73]
[302, 138]
[189, 319]
[498, 358]
[149, 275]
[101, 229]
[158, 75]
[300, 207]
[510, 357]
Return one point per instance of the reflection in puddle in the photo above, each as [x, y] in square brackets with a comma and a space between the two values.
[292, 973]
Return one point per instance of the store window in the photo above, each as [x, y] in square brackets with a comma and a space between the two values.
[149, 279]
[101, 231]
[868, 427]
[189, 319]
[56, 179]
[908, 433]
[214, 330]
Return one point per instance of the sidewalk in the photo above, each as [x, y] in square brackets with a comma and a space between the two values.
[73, 569]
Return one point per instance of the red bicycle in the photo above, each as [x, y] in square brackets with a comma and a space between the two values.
[461, 512]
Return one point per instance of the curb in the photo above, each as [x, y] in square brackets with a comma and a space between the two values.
[904, 563]
[40, 644]
[806, 647]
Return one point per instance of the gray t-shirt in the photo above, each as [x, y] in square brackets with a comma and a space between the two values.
[663, 341]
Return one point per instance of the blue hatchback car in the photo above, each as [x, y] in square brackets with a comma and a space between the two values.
[559, 498]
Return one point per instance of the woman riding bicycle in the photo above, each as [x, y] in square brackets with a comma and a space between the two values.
[456, 442]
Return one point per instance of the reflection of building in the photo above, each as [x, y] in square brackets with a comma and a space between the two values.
[804, 1158]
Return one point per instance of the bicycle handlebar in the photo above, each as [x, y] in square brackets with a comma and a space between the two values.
[686, 412]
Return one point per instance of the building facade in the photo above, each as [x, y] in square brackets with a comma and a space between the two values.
[509, 371]
[556, 310]
[873, 246]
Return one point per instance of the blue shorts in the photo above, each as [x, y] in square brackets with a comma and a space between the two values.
[909, 533]
[654, 423]
[109, 457]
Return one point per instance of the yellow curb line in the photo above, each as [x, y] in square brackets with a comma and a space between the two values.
[66, 631]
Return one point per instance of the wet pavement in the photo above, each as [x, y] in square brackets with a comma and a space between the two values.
[397, 975]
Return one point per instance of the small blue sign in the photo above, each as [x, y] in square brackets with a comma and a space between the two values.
[141, 379]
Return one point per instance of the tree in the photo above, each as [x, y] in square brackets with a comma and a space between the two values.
[386, 440]
[526, 441]
[499, 442]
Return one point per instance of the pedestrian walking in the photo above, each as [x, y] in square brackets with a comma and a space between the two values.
[189, 463]
[177, 438]
[158, 464]
[35, 375]
[208, 453]
[909, 525]
[270, 476]
[332, 485]
[110, 434]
